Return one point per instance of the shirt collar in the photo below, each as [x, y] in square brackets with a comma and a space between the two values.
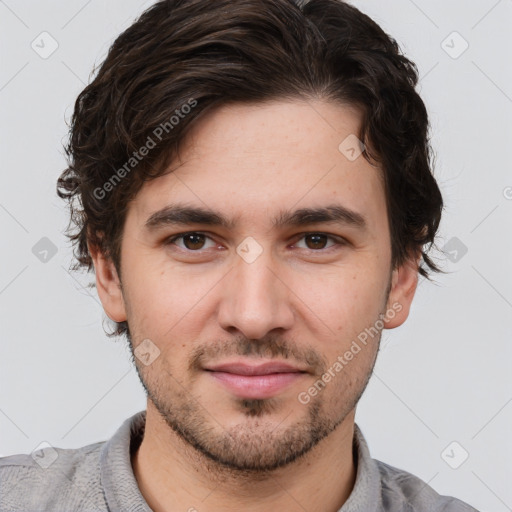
[118, 481]
[366, 494]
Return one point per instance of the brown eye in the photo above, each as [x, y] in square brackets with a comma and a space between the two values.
[190, 241]
[318, 241]
[193, 241]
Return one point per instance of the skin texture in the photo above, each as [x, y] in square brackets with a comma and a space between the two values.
[301, 300]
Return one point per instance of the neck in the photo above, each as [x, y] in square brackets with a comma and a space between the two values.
[172, 475]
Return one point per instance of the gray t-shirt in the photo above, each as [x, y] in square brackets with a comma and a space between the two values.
[99, 478]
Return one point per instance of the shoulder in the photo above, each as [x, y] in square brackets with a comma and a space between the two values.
[52, 479]
[404, 491]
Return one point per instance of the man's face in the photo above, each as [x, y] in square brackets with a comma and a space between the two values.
[228, 298]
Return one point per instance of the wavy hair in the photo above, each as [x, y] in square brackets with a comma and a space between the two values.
[228, 51]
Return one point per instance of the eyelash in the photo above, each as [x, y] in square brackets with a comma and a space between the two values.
[338, 241]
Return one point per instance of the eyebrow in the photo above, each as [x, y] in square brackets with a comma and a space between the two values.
[180, 214]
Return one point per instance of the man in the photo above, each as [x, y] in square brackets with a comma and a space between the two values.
[251, 183]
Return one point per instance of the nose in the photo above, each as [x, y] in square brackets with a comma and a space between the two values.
[255, 299]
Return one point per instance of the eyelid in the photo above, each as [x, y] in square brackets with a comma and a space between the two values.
[170, 240]
[339, 241]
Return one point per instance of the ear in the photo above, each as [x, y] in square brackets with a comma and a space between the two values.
[403, 287]
[108, 285]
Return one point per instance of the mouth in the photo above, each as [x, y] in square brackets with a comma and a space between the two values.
[245, 379]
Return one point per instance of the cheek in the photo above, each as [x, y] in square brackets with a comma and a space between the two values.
[166, 303]
[344, 302]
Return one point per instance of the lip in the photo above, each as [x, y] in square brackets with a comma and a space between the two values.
[247, 368]
[256, 381]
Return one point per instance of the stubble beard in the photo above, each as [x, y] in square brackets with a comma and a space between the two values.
[257, 445]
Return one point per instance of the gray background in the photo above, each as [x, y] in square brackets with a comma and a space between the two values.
[442, 377]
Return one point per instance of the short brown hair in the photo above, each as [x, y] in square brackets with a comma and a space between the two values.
[204, 54]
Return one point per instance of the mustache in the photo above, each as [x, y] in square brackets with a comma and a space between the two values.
[271, 347]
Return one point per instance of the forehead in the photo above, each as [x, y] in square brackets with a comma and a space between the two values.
[255, 162]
